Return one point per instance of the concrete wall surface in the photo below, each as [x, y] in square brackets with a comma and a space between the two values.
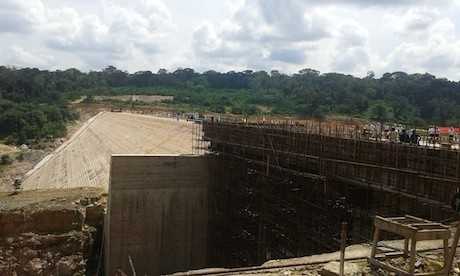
[157, 214]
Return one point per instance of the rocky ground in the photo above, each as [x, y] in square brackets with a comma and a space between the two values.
[51, 232]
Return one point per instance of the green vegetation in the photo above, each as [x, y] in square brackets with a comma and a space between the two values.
[407, 98]
[21, 122]
[33, 102]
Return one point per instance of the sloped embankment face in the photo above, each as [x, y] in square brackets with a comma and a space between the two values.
[50, 232]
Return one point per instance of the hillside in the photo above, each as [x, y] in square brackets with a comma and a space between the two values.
[33, 102]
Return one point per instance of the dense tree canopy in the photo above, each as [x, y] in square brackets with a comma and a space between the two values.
[33, 102]
[396, 96]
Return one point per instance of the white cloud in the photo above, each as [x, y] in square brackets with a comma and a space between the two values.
[429, 44]
[123, 32]
[126, 29]
[20, 16]
[352, 53]
[349, 36]
[18, 56]
[381, 3]
[286, 35]
[261, 34]
[419, 19]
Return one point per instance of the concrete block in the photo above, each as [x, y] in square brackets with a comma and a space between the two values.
[157, 213]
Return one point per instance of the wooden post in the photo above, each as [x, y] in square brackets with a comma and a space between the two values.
[343, 241]
[413, 252]
[446, 250]
[375, 242]
[406, 247]
[450, 260]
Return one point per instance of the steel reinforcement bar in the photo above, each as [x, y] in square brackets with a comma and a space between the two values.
[287, 187]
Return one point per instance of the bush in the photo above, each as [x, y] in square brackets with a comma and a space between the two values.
[6, 159]
[26, 121]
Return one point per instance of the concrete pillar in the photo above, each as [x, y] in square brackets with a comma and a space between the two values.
[157, 214]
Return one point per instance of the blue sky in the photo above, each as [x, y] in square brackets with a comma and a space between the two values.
[348, 36]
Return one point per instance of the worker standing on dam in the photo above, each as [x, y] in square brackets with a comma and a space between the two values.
[451, 135]
[343, 212]
[404, 137]
[393, 135]
[414, 138]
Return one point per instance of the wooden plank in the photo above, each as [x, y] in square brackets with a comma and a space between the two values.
[426, 235]
[394, 227]
[433, 225]
[389, 255]
[417, 218]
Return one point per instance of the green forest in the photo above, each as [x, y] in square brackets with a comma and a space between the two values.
[33, 102]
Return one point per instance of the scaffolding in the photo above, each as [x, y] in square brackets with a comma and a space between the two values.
[283, 189]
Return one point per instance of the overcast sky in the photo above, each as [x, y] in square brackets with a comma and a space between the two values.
[348, 36]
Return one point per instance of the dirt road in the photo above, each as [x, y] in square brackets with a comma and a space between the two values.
[83, 161]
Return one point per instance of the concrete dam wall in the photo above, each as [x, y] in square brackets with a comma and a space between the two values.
[157, 214]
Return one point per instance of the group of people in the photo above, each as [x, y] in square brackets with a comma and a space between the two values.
[405, 137]
[394, 135]
[433, 136]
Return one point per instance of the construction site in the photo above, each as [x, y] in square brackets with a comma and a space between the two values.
[143, 195]
[288, 187]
